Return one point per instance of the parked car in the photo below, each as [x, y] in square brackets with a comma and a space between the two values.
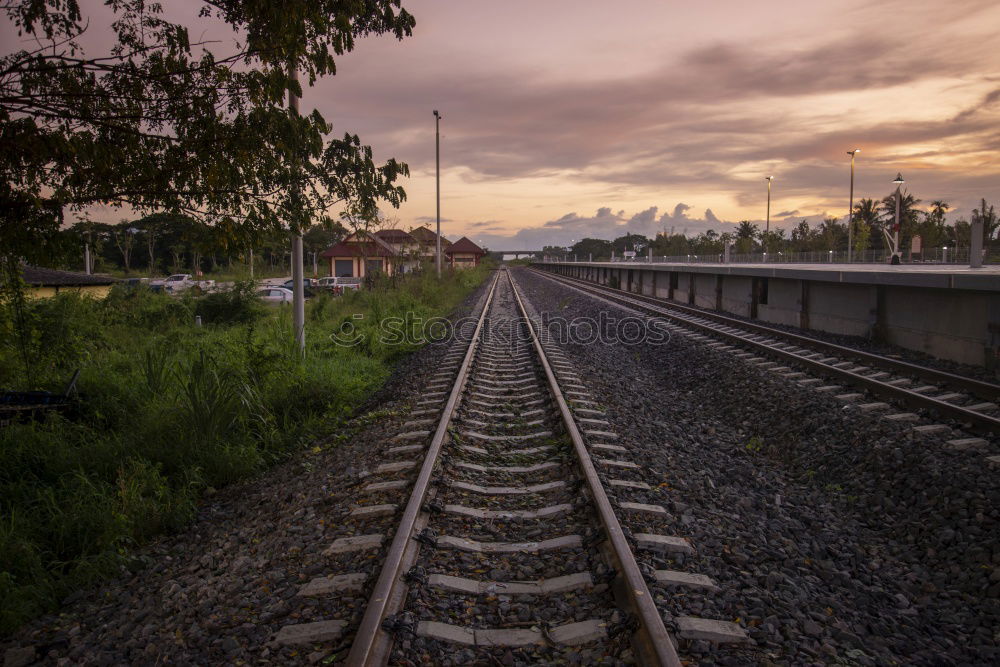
[180, 282]
[306, 282]
[275, 294]
[337, 284]
[308, 285]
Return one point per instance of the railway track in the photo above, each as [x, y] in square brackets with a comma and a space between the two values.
[820, 364]
[523, 534]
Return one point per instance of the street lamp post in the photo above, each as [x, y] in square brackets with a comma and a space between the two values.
[767, 225]
[895, 231]
[850, 210]
[437, 169]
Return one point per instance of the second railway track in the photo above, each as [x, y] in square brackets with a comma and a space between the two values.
[523, 532]
[969, 402]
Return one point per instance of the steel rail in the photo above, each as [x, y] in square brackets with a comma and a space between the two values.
[365, 639]
[981, 388]
[977, 420]
[653, 642]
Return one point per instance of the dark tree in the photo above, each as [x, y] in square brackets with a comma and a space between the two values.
[161, 122]
[596, 248]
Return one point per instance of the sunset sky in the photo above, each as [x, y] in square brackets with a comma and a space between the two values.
[571, 118]
[566, 119]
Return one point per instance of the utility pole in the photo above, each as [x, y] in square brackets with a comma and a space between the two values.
[437, 168]
[850, 211]
[86, 254]
[298, 289]
[767, 225]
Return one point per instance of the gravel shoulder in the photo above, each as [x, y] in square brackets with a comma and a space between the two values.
[835, 537]
[218, 591]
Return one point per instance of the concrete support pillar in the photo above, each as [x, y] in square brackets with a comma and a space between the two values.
[690, 289]
[804, 306]
[880, 327]
[992, 350]
[976, 249]
[718, 291]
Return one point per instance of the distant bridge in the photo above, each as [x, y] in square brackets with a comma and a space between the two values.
[517, 253]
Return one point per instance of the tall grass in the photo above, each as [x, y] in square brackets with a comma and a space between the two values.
[168, 409]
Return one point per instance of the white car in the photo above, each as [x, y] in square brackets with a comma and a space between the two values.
[182, 281]
[339, 284]
[275, 294]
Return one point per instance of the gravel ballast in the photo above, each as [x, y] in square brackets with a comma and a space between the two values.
[834, 536]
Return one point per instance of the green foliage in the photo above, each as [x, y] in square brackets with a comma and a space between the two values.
[151, 119]
[598, 249]
[862, 236]
[238, 305]
[636, 243]
[167, 410]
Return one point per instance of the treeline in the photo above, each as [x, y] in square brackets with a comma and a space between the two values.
[170, 243]
[873, 227]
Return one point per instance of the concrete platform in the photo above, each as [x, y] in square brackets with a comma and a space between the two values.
[949, 312]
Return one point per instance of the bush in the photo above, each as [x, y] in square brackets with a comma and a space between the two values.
[238, 305]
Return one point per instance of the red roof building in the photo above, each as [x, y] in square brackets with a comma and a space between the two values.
[463, 254]
[428, 240]
[360, 254]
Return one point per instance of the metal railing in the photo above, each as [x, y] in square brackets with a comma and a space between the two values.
[949, 256]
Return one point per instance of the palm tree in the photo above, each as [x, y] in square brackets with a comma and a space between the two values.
[831, 231]
[866, 219]
[908, 210]
[867, 211]
[747, 230]
[938, 209]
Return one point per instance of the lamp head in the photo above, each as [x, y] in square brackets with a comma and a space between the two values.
[899, 179]
[769, 178]
[854, 152]
[436, 113]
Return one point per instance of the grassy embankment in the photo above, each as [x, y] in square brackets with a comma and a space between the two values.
[167, 411]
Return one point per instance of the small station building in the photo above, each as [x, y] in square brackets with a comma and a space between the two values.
[464, 254]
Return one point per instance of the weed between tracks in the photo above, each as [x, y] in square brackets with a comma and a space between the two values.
[167, 411]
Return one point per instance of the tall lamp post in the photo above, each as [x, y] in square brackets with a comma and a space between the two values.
[850, 211]
[767, 225]
[437, 168]
[895, 229]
